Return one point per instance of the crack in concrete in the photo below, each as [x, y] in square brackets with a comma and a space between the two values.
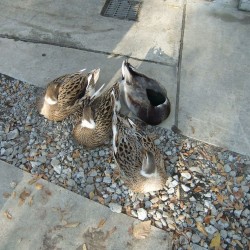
[29, 40]
[179, 64]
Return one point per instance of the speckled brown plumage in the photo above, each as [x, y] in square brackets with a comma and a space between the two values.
[64, 95]
[130, 146]
[102, 109]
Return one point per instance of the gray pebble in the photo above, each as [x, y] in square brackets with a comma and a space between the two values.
[101, 153]
[116, 208]
[107, 179]
[196, 238]
[227, 168]
[13, 134]
[157, 142]
[71, 183]
[211, 229]
[223, 233]
[158, 224]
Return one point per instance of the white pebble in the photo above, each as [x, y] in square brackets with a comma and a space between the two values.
[172, 184]
[185, 188]
[186, 175]
[170, 190]
[142, 214]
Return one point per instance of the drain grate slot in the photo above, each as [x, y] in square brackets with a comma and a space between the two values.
[121, 9]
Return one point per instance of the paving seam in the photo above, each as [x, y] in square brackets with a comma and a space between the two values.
[178, 81]
[82, 49]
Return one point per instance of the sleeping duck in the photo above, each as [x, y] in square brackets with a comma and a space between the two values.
[144, 96]
[95, 126]
[62, 96]
[141, 164]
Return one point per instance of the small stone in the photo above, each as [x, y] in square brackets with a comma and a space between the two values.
[199, 207]
[157, 142]
[227, 168]
[58, 169]
[183, 240]
[142, 214]
[173, 184]
[3, 151]
[237, 213]
[148, 204]
[107, 179]
[192, 198]
[13, 134]
[196, 169]
[116, 208]
[164, 197]
[35, 164]
[186, 175]
[211, 229]
[71, 183]
[223, 233]
[196, 238]
[134, 213]
[101, 153]
[245, 189]
[158, 215]
[158, 224]
[154, 200]
[185, 188]
[170, 190]
[246, 213]
[174, 159]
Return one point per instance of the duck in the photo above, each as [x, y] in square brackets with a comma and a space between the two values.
[95, 127]
[145, 97]
[141, 164]
[63, 96]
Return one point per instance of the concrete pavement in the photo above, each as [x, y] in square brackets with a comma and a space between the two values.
[45, 216]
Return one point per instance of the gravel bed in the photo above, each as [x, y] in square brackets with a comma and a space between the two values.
[205, 202]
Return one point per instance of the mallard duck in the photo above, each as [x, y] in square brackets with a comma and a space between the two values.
[95, 126]
[141, 164]
[144, 96]
[62, 95]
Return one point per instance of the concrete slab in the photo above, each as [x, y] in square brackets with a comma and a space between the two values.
[214, 89]
[154, 37]
[244, 5]
[25, 61]
[59, 219]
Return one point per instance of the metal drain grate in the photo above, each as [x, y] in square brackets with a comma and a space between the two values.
[121, 9]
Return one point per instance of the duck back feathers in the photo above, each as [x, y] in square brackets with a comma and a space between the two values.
[144, 96]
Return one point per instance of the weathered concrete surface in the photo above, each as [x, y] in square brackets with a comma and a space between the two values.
[51, 220]
[79, 25]
[244, 5]
[214, 89]
[28, 64]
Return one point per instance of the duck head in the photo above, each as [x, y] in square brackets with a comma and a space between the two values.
[52, 92]
[144, 96]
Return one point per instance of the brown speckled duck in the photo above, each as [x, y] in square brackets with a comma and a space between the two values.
[95, 127]
[141, 164]
[62, 96]
[144, 96]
